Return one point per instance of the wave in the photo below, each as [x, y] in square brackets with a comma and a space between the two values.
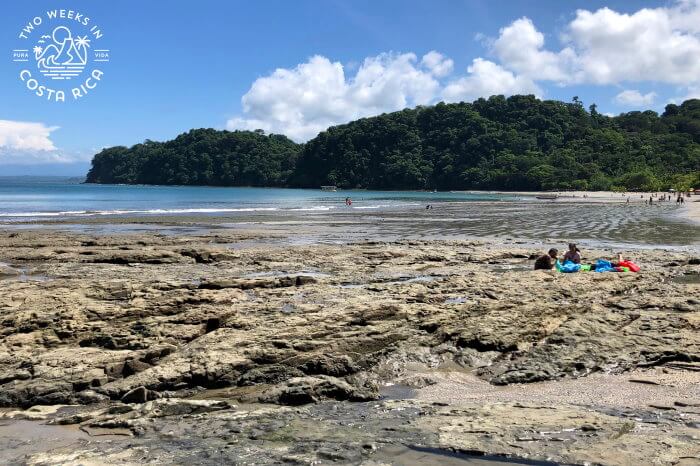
[42, 214]
[194, 210]
[313, 208]
[87, 213]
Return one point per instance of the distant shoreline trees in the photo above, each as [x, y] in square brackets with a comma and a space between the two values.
[515, 143]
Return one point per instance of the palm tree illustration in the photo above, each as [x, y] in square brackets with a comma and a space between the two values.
[78, 51]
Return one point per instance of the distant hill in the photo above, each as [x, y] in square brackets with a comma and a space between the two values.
[515, 143]
[200, 157]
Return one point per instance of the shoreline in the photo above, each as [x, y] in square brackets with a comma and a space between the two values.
[689, 211]
[573, 217]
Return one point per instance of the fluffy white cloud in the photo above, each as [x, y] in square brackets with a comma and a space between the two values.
[28, 143]
[608, 47]
[296, 102]
[649, 45]
[303, 101]
[22, 135]
[437, 63]
[486, 78]
[521, 46]
[391, 82]
[634, 98]
[317, 94]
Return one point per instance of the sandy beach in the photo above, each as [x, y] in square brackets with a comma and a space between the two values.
[690, 209]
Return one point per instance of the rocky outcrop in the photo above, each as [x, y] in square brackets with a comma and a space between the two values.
[135, 316]
[303, 390]
[133, 323]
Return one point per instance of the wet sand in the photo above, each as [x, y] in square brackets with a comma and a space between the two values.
[689, 210]
[637, 389]
[584, 220]
[692, 209]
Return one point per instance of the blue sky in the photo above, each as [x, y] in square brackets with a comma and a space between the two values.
[183, 64]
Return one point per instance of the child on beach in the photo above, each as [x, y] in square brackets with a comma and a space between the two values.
[544, 262]
[573, 254]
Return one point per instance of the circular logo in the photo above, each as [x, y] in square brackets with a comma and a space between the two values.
[61, 55]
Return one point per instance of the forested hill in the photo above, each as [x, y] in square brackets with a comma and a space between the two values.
[511, 143]
[200, 157]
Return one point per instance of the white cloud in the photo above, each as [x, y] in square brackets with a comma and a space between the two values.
[608, 47]
[297, 102]
[437, 63]
[390, 82]
[649, 45]
[303, 101]
[486, 78]
[634, 98]
[317, 94]
[520, 46]
[29, 143]
[22, 135]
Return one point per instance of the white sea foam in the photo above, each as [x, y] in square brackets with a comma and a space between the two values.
[313, 208]
[87, 213]
[198, 210]
[42, 214]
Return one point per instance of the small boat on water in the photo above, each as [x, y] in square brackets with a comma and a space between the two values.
[549, 197]
[329, 188]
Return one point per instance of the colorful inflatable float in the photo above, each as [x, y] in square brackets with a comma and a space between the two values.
[601, 265]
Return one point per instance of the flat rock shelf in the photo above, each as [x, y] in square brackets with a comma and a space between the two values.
[141, 348]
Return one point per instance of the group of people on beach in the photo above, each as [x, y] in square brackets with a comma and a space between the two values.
[663, 197]
[573, 256]
[547, 261]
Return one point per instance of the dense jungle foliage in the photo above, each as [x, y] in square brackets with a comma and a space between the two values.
[515, 143]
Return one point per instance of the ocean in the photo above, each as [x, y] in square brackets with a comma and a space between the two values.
[315, 215]
[59, 197]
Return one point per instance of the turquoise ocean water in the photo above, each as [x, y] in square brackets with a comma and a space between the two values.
[46, 197]
[315, 215]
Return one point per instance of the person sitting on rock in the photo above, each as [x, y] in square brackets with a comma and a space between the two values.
[545, 262]
[573, 254]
